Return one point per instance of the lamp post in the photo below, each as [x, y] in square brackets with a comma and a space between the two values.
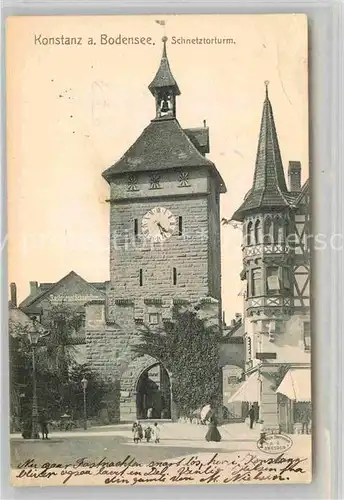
[84, 383]
[34, 337]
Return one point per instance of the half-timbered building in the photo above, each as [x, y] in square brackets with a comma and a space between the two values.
[276, 267]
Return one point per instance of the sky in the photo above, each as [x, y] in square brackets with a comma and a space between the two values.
[72, 111]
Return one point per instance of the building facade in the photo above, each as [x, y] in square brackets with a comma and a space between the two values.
[276, 269]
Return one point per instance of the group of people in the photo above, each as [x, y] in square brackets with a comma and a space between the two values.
[43, 425]
[148, 433]
[304, 418]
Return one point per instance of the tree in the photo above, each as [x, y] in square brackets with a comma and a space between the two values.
[61, 321]
[20, 367]
[20, 361]
[189, 348]
[95, 392]
[58, 376]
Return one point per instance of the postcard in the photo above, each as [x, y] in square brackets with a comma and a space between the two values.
[158, 243]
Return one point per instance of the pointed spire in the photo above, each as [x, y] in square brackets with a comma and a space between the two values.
[269, 173]
[164, 78]
[269, 188]
[266, 83]
[164, 40]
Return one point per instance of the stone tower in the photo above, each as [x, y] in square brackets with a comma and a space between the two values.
[164, 241]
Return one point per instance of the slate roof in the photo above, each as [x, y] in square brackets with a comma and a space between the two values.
[28, 303]
[269, 188]
[162, 145]
[199, 137]
[164, 77]
[300, 196]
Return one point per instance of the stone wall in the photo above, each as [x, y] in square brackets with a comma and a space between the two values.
[188, 253]
[110, 353]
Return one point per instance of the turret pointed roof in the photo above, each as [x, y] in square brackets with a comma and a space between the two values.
[164, 77]
[269, 188]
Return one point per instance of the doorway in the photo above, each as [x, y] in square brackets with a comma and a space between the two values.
[153, 393]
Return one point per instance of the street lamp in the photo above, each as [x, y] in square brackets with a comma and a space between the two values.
[34, 337]
[84, 383]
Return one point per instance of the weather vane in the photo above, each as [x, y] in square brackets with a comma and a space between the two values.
[266, 83]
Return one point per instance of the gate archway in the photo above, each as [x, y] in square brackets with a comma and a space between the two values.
[145, 384]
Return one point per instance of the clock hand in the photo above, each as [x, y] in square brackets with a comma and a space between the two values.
[161, 228]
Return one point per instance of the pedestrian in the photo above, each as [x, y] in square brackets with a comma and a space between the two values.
[156, 433]
[27, 428]
[213, 433]
[43, 421]
[140, 431]
[136, 432]
[148, 433]
[252, 415]
[305, 419]
[149, 412]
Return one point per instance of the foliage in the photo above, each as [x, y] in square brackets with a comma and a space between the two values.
[189, 348]
[61, 321]
[95, 392]
[58, 377]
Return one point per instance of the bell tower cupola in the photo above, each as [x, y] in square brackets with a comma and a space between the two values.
[164, 88]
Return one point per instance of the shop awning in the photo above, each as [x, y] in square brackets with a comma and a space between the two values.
[296, 384]
[249, 391]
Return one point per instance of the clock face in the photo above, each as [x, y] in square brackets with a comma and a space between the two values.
[158, 224]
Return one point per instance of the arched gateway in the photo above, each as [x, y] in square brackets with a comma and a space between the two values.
[145, 384]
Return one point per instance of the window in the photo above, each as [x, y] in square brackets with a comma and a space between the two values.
[273, 279]
[267, 237]
[307, 335]
[141, 277]
[278, 231]
[153, 318]
[136, 227]
[286, 278]
[257, 232]
[249, 233]
[277, 278]
[82, 320]
[180, 226]
[174, 275]
[256, 282]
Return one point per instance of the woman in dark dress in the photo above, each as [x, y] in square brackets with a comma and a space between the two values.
[213, 432]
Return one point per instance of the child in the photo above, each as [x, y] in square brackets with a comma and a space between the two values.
[156, 433]
[148, 433]
[137, 430]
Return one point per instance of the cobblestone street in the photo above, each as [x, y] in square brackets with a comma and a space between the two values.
[115, 443]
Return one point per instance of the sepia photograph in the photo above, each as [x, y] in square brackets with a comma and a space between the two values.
[159, 236]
